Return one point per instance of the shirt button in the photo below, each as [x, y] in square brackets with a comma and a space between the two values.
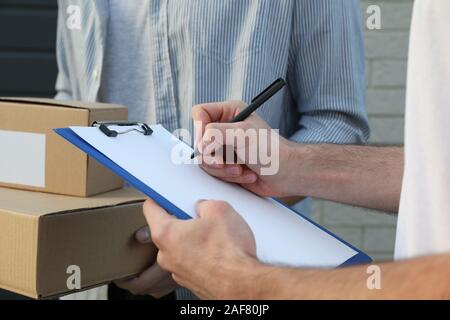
[95, 74]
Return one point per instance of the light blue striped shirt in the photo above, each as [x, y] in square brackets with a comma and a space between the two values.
[193, 51]
[161, 57]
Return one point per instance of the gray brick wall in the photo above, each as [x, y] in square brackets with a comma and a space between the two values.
[386, 60]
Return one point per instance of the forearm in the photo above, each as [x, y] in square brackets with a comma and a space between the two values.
[422, 278]
[363, 176]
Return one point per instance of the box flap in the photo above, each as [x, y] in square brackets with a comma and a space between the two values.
[39, 204]
[63, 103]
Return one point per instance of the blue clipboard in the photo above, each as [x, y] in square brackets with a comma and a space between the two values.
[72, 137]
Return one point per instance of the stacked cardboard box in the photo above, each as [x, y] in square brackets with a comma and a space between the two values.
[75, 220]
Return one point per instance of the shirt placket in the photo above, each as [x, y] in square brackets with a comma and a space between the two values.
[163, 84]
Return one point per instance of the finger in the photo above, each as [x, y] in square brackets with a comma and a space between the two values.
[232, 173]
[256, 189]
[224, 156]
[213, 141]
[143, 235]
[217, 111]
[213, 161]
[217, 132]
[158, 220]
[214, 145]
[206, 208]
[217, 136]
[228, 171]
[148, 282]
[155, 214]
[246, 178]
[204, 114]
[180, 281]
[211, 150]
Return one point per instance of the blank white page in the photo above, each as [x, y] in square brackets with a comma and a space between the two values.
[282, 236]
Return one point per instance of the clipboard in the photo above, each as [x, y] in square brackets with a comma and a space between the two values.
[324, 249]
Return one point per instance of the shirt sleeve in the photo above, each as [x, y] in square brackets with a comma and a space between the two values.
[328, 77]
[62, 86]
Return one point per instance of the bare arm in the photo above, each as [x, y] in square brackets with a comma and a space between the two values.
[363, 176]
[191, 250]
[422, 278]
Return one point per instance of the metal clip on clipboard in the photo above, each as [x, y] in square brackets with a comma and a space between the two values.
[104, 127]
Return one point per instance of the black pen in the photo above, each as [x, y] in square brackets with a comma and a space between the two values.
[257, 102]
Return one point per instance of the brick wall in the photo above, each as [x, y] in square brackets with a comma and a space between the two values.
[386, 60]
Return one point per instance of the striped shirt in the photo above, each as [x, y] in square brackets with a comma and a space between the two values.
[200, 51]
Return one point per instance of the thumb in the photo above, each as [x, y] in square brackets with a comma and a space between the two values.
[143, 235]
[204, 114]
[154, 214]
[158, 220]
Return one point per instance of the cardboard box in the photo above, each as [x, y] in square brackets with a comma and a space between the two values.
[33, 157]
[45, 237]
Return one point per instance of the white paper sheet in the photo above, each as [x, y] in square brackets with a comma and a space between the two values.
[282, 237]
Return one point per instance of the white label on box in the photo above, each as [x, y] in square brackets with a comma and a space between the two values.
[22, 158]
